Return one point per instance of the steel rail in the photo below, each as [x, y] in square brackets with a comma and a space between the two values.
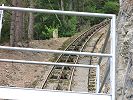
[105, 44]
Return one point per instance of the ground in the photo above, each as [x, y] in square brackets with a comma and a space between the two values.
[27, 75]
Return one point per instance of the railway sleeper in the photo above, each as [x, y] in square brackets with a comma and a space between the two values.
[52, 81]
[53, 76]
[64, 76]
[65, 82]
[65, 55]
[92, 82]
[92, 70]
[92, 77]
[71, 59]
[58, 67]
[92, 90]
[89, 33]
[77, 48]
[62, 59]
[94, 57]
[68, 72]
[56, 72]
[71, 48]
[92, 74]
[95, 61]
[67, 68]
[91, 85]
[58, 87]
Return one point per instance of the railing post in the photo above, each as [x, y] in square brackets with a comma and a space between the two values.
[98, 78]
[1, 17]
[112, 59]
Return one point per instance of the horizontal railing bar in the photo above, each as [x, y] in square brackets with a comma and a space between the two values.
[48, 63]
[55, 51]
[56, 11]
[18, 93]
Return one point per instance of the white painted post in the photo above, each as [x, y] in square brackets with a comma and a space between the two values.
[112, 59]
[55, 33]
[98, 79]
[1, 17]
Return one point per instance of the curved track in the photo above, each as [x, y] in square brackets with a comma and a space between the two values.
[61, 77]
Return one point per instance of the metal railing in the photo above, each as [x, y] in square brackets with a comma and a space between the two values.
[111, 56]
[1, 17]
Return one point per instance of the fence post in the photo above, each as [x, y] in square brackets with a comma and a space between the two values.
[1, 17]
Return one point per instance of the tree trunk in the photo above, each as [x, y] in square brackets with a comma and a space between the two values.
[19, 23]
[125, 44]
[31, 22]
[62, 8]
[16, 28]
[70, 5]
[12, 28]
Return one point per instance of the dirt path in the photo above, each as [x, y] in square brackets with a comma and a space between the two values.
[27, 75]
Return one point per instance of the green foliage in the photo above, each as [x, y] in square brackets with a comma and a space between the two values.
[101, 6]
[68, 28]
[47, 33]
[5, 34]
[111, 7]
[46, 23]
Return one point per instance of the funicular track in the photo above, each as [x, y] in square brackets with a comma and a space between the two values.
[61, 77]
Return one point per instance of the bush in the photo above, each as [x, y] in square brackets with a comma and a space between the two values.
[69, 28]
[5, 33]
[47, 33]
[111, 7]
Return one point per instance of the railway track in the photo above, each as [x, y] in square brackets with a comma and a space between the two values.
[94, 61]
[87, 82]
[61, 77]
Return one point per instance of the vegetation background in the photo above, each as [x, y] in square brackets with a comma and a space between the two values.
[20, 27]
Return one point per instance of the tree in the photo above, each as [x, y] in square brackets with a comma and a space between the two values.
[62, 8]
[31, 22]
[71, 5]
[16, 25]
[39, 24]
